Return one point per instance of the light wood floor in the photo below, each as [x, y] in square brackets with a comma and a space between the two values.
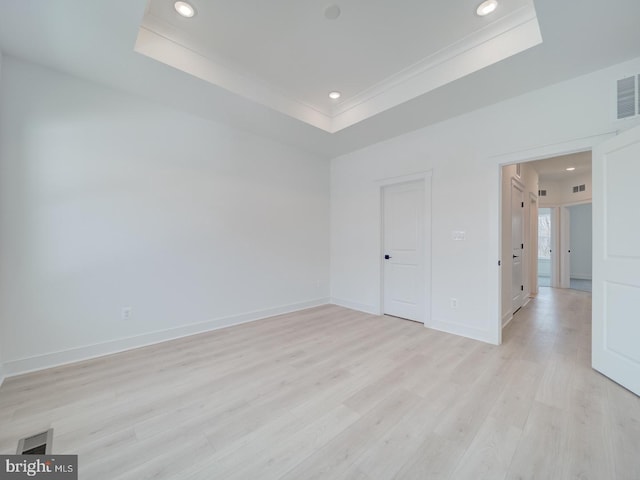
[333, 394]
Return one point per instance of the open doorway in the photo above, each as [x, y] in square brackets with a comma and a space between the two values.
[540, 256]
[580, 246]
[615, 281]
[544, 247]
[565, 199]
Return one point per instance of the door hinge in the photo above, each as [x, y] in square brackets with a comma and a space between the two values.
[522, 246]
[499, 263]
[522, 288]
[522, 205]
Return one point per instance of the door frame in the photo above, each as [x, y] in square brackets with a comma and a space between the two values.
[565, 246]
[552, 245]
[555, 246]
[495, 224]
[386, 182]
[532, 248]
[565, 256]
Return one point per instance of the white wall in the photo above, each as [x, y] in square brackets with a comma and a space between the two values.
[2, 374]
[544, 267]
[2, 321]
[581, 237]
[560, 192]
[108, 201]
[464, 154]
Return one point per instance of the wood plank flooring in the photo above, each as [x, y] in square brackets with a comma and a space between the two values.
[329, 393]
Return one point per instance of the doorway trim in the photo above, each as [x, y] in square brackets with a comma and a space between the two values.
[497, 162]
[532, 250]
[556, 251]
[426, 177]
[565, 247]
[565, 229]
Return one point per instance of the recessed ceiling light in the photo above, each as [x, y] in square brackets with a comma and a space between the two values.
[334, 95]
[487, 7]
[332, 12]
[184, 9]
[570, 169]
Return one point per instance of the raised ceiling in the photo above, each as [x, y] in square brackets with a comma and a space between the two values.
[94, 40]
[287, 55]
[553, 169]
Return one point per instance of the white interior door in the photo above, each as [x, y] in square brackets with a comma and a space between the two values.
[517, 245]
[616, 260]
[403, 243]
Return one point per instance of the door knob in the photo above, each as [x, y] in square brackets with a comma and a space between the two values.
[387, 257]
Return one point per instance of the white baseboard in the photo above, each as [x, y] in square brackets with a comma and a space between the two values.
[443, 326]
[1, 374]
[48, 360]
[506, 318]
[461, 330]
[361, 307]
[581, 277]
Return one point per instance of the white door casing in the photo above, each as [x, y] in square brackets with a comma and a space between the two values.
[532, 247]
[403, 243]
[616, 260]
[565, 247]
[517, 244]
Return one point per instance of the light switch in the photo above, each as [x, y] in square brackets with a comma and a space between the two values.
[458, 235]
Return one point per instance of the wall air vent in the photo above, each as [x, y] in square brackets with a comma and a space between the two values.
[542, 193]
[628, 98]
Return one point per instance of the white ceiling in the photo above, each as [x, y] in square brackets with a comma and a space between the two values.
[95, 40]
[287, 55]
[553, 169]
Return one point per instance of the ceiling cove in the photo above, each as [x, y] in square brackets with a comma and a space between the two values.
[289, 54]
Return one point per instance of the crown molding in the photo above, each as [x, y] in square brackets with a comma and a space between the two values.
[501, 39]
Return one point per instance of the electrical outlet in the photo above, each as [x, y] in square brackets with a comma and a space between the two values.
[454, 303]
[126, 313]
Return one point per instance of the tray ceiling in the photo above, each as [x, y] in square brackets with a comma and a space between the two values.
[287, 55]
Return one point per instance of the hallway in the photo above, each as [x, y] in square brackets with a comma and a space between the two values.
[580, 423]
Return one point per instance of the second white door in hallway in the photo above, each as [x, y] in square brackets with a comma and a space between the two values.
[517, 244]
